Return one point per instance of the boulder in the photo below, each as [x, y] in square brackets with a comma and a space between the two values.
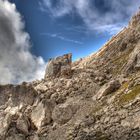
[41, 114]
[134, 60]
[108, 88]
[23, 125]
[62, 113]
[59, 65]
[5, 121]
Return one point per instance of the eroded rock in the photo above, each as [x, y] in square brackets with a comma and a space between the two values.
[59, 66]
[62, 113]
[41, 114]
[108, 88]
[23, 125]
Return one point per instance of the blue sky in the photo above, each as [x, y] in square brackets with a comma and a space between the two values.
[32, 31]
[53, 35]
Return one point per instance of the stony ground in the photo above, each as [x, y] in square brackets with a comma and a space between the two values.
[94, 98]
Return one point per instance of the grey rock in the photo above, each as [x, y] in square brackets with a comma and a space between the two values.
[23, 125]
[108, 88]
[62, 113]
[41, 114]
[59, 65]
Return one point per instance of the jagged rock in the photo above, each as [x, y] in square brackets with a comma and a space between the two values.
[135, 20]
[108, 88]
[5, 121]
[59, 65]
[41, 114]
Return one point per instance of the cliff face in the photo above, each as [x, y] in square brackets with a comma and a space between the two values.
[95, 98]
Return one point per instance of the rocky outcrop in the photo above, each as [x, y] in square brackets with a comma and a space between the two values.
[135, 20]
[59, 66]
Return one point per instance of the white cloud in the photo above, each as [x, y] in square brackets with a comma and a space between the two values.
[115, 13]
[59, 36]
[17, 64]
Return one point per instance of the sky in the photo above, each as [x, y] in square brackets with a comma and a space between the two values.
[34, 31]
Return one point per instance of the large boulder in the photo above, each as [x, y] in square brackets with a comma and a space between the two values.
[23, 125]
[41, 114]
[62, 113]
[5, 121]
[108, 88]
[59, 66]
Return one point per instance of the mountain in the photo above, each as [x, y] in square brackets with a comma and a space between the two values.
[94, 98]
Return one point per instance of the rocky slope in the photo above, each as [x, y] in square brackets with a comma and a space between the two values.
[95, 98]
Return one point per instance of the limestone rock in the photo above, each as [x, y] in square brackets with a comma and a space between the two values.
[59, 65]
[62, 113]
[5, 121]
[108, 88]
[23, 125]
[41, 114]
[41, 88]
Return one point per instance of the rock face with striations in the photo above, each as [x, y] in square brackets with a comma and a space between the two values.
[59, 66]
[94, 98]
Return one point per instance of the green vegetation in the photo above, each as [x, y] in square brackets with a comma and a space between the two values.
[125, 98]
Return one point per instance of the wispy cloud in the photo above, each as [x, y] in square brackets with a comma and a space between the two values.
[59, 36]
[102, 16]
[78, 29]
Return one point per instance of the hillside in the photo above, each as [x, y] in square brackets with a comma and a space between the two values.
[95, 98]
